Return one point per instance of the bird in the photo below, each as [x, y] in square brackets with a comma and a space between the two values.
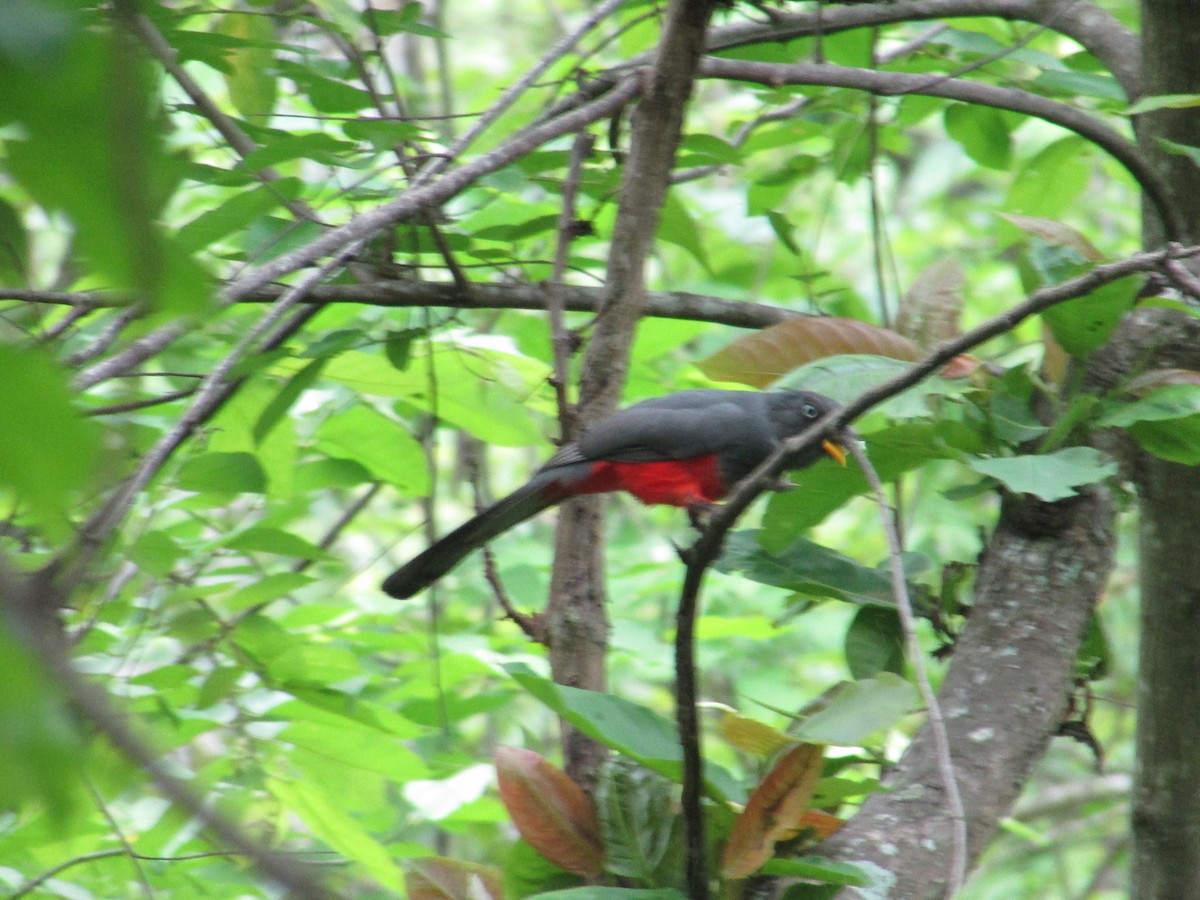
[685, 449]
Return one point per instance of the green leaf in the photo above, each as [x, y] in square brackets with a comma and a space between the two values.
[47, 452]
[261, 539]
[676, 226]
[806, 568]
[611, 893]
[624, 726]
[1173, 401]
[857, 709]
[529, 874]
[1162, 101]
[235, 214]
[893, 451]
[231, 473]
[874, 643]
[43, 756]
[983, 133]
[329, 822]
[818, 868]
[14, 245]
[1086, 323]
[345, 744]
[250, 75]
[389, 452]
[1051, 476]
[630, 800]
[288, 394]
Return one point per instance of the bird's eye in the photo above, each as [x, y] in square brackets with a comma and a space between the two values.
[809, 411]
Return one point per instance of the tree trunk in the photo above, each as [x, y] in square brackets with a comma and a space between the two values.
[1166, 802]
[1003, 696]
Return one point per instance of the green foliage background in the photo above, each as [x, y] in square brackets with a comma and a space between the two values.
[236, 616]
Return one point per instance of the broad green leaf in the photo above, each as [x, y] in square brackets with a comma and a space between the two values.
[236, 213]
[88, 143]
[261, 539]
[1051, 183]
[346, 744]
[630, 802]
[610, 893]
[858, 709]
[288, 394]
[676, 226]
[817, 868]
[893, 451]
[329, 822]
[806, 568]
[983, 133]
[1050, 476]
[874, 643]
[1162, 101]
[622, 725]
[43, 756]
[529, 874]
[263, 590]
[14, 245]
[47, 452]
[845, 376]
[250, 77]
[1086, 323]
[228, 473]
[1173, 401]
[389, 452]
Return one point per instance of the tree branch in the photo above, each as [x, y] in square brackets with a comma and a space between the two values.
[1097, 30]
[888, 84]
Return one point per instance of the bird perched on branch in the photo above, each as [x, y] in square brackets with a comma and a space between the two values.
[686, 449]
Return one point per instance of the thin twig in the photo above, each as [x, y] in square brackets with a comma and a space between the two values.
[560, 339]
[916, 657]
[509, 97]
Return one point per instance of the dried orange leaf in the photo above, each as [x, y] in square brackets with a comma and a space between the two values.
[550, 811]
[438, 878]
[774, 811]
[930, 309]
[822, 823]
[1056, 233]
[751, 736]
[763, 357]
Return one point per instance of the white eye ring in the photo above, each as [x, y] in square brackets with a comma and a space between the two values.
[809, 411]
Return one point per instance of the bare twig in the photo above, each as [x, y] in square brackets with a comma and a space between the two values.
[509, 97]
[559, 337]
[916, 657]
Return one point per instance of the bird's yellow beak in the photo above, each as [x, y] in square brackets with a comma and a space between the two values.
[835, 451]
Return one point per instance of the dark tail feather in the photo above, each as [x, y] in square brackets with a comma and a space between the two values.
[426, 568]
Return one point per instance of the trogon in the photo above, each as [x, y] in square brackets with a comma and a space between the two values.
[686, 449]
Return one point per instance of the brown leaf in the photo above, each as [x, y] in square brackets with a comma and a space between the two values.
[760, 358]
[1056, 233]
[930, 309]
[962, 366]
[550, 811]
[438, 878]
[822, 823]
[774, 812]
[1152, 379]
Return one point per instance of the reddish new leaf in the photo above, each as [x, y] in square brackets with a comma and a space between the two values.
[774, 812]
[930, 309]
[822, 824]
[1056, 233]
[550, 811]
[438, 878]
[760, 358]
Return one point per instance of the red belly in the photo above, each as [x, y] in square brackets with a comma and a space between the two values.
[675, 482]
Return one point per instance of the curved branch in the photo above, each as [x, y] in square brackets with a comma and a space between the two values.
[889, 84]
[1096, 30]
